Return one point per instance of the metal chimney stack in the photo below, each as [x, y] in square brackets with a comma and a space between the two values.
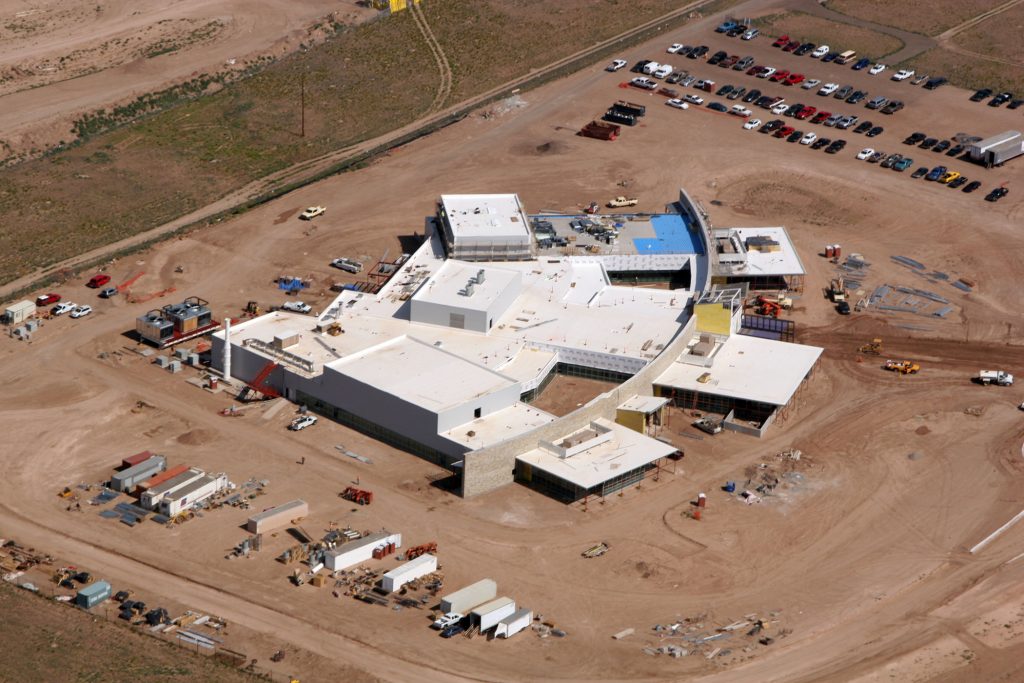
[227, 350]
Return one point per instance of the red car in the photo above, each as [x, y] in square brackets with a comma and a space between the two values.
[778, 76]
[821, 116]
[98, 280]
[805, 113]
[784, 131]
[755, 70]
[793, 79]
[791, 45]
[47, 299]
[780, 41]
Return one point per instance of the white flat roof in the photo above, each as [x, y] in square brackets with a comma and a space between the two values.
[783, 262]
[421, 373]
[493, 605]
[448, 284]
[643, 404]
[500, 425]
[748, 368]
[626, 450]
[489, 216]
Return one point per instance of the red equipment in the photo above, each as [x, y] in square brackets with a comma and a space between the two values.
[416, 551]
[359, 496]
[258, 384]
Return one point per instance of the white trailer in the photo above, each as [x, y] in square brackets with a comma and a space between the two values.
[411, 570]
[196, 492]
[462, 601]
[19, 312]
[361, 550]
[488, 615]
[1000, 377]
[514, 623]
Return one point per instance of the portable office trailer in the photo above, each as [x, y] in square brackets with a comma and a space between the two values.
[126, 480]
[277, 517]
[19, 312]
[411, 570]
[151, 497]
[490, 613]
[361, 550]
[463, 600]
[93, 594]
[514, 623]
[190, 494]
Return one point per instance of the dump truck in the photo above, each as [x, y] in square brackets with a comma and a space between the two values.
[1000, 377]
[903, 367]
[623, 201]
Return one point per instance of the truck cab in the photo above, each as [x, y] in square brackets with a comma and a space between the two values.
[999, 377]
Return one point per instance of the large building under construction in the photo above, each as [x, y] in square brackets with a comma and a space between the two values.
[443, 360]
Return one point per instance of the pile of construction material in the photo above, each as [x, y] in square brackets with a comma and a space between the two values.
[699, 635]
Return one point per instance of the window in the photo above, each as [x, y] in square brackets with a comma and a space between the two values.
[477, 412]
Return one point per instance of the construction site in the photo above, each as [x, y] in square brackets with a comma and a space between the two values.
[492, 428]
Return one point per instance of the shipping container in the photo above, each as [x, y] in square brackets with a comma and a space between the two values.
[488, 615]
[19, 312]
[361, 550]
[158, 479]
[133, 460]
[192, 493]
[514, 623]
[462, 601]
[152, 496]
[411, 570]
[93, 594]
[126, 480]
[277, 517]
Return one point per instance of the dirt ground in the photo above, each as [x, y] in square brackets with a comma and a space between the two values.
[930, 18]
[861, 564]
[801, 26]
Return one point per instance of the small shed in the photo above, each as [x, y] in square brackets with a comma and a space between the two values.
[93, 594]
[19, 312]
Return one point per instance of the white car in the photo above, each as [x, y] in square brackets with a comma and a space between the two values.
[81, 311]
[808, 138]
[66, 307]
[752, 124]
[297, 307]
[828, 88]
[694, 99]
[811, 84]
[740, 110]
[674, 48]
[768, 71]
[877, 69]
[650, 67]
[865, 153]
[616, 65]
[902, 74]
[645, 83]
[677, 103]
[750, 34]
[779, 108]
[312, 212]
[820, 51]
[662, 71]
[302, 422]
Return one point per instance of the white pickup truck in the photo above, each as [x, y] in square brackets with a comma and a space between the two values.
[1003, 379]
[446, 620]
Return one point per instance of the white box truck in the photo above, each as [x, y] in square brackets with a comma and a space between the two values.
[1003, 379]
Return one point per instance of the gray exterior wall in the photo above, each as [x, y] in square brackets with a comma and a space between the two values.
[491, 403]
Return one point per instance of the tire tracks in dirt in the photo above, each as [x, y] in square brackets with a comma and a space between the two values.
[444, 88]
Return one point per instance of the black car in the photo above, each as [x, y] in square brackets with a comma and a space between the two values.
[864, 127]
[638, 68]
[795, 136]
[736, 30]
[981, 94]
[857, 96]
[804, 49]
[1000, 99]
[737, 93]
[935, 83]
[929, 143]
[890, 160]
[962, 180]
[82, 577]
[862, 63]
[793, 110]
[996, 194]
[772, 126]
[914, 139]
[717, 106]
[830, 57]
[972, 186]
[835, 147]
[843, 92]
[893, 107]
[843, 308]
[821, 142]
[1015, 104]
[718, 56]
[698, 52]
[752, 95]
[920, 173]
[452, 631]
[875, 131]
[956, 151]
[724, 90]
[942, 146]
[764, 101]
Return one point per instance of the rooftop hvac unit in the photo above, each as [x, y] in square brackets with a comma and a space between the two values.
[468, 291]
[480, 276]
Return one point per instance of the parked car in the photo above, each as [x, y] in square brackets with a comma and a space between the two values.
[935, 83]
[1015, 104]
[914, 138]
[737, 93]
[81, 311]
[61, 309]
[877, 69]
[662, 71]
[893, 107]
[644, 83]
[717, 106]
[677, 103]
[780, 41]
[780, 108]
[743, 64]
[979, 95]
[996, 194]
[835, 147]
[919, 79]
[726, 26]
[832, 120]
[348, 265]
[890, 160]
[767, 72]
[876, 157]
[302, 422]
[779, 75]
[296, 307]
[846, 122]
[729, 62]
[805, 113]
[861, 63]
[821, 117]
[810, 84]
[830, 57]
[717, 57]
[674, 48]
[724, 90]
[821, 142]
[752, 95]
[750, 34]
[865, 153]
[928, 143]
[1000, 99]
[108, 292]
[47, 299]
[639, 67]
[804, 49]
[452, 631]
[675, 77]
[856, 97]
[694, 99]
[936, 173]
[922, 171]
[793, 79]
[772, 126]
[699, 52]
[808, 138]
[957, 182]
[864, 127]
[902, 74]
[616, 65]
[820, 51]
[843, 92]
[828, 88]
[750, 124]
[875, 131]
[97, 281]
[312, 212]
[972, 186]
[843, 308]
[942, 146]
[791, 46]
[740, 110]
[877, 102]
[903, 164]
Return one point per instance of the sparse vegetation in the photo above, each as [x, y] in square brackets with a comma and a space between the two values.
[820, 31]
[968, 71]
[930, 18]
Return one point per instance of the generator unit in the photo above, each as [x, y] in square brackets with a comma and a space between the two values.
[176, 323]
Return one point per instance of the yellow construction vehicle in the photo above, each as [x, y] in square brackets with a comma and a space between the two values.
[903, 367]
[334, 329]
[66, 493]
[874, 347]
[253, 308]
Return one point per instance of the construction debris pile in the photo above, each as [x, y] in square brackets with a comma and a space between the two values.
[699, 635]
[772, 479]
